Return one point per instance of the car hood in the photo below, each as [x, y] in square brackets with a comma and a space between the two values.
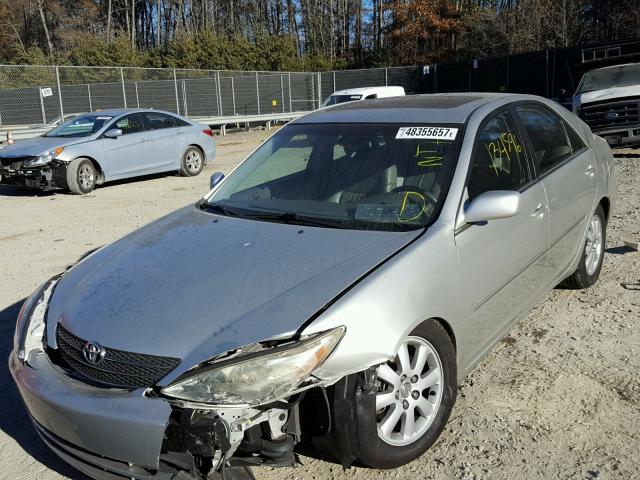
[38, 145]
[193, 285]
[608, 94]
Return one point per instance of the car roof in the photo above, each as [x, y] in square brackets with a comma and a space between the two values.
[441, 108]
[115, 112]
[355, 91]
[617, 66]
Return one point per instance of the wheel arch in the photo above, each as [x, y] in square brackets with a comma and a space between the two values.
[447, 326]
[195, 145]
[100, 178]
[605, 203]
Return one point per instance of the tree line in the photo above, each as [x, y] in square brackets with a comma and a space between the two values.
[300, 34]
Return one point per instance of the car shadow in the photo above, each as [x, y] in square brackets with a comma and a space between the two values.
[19, 191]
[621, 250]
[14, 421]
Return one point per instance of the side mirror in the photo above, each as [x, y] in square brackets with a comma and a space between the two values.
[113, 133]
[215, 179]
[492, 206]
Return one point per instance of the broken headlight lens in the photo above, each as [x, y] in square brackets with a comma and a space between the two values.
[30, 324]
[44, 158]
[259, 378]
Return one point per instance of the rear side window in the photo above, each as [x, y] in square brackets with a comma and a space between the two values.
[130, 124]
[576, 142]
[548, 135]
[499, 161]
[157, 121]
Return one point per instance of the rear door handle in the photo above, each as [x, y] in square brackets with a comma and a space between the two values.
[538, 211]
[144, 140]
[590, 171]
[180, 132]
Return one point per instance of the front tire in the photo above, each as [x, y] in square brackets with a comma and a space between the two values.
[192, 162]
[416, 393]
[588, 270]
[81, 176]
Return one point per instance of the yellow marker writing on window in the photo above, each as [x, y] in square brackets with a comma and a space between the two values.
[409, 199]
[428, 158]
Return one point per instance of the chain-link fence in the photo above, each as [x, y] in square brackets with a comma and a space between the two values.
[35, 95]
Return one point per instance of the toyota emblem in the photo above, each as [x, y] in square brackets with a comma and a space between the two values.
[93, 353]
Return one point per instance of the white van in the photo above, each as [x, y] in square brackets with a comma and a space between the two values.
[367, 93]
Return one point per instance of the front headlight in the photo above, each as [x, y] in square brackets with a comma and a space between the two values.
[258, 378]
[30, 323]
[44, 158]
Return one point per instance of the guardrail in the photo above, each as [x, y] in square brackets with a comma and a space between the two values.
[22, 132]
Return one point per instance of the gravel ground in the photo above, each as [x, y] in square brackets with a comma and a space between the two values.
[557, 398]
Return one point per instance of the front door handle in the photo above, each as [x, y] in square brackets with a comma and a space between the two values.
[180, 132]
[144, 140]
[538, 211]
[590, 171]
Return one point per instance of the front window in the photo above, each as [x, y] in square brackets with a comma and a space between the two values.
[619, 76]
[362, 176]
[80, 126]
[498, 161]
[335, 99]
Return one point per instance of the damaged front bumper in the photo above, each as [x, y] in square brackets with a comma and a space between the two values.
[48, 177]
[112, 433]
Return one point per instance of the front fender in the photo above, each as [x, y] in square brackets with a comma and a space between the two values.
[420, 282]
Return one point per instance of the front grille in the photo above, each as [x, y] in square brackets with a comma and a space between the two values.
[117, 368]
[611, 114]
[14, 163]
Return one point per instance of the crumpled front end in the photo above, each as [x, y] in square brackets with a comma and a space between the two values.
[101, 410]
[110, 433]
[47, 177]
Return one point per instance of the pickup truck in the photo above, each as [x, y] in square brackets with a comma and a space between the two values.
[608, 100]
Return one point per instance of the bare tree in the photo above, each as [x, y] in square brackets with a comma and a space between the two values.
[45, 28]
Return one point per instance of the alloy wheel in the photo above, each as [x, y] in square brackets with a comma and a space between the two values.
[193, 162]
[86, 177]
[410, 392]
[594, 245]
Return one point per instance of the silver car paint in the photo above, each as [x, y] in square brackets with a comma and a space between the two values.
[93, 418]
[409, 295]
[237, 281]
[126, 156]
[423, 277]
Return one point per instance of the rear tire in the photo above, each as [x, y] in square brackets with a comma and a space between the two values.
[430, 378]
[192, 162]
[81, 176]
[588, 270]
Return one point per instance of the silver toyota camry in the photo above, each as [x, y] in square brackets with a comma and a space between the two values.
[98, 147]
[336, 287]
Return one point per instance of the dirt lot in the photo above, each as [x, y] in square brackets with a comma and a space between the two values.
[558, 398]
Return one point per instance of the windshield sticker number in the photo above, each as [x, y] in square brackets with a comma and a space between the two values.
[427, 133]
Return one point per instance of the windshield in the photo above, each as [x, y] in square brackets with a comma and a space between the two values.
[360, 176]
[620, 76]
[81, 126]
[335, 99]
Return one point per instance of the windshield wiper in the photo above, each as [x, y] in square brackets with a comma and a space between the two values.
[297, 219]
[283, 217]
[221, 209]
